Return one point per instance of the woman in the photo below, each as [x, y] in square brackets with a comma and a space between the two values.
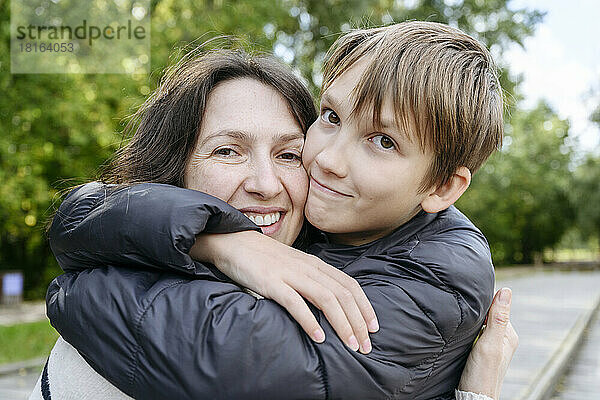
[278, 151]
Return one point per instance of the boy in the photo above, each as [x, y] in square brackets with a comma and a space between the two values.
[407, 113]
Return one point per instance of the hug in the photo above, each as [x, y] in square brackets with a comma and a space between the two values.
[244, 245]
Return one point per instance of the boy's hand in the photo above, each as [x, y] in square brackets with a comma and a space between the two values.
[285, 275]
[489, 358]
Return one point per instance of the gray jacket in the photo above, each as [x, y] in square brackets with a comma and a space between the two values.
[157, 324]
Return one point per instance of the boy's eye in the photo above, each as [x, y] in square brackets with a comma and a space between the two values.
[383, 142]
[330, 116]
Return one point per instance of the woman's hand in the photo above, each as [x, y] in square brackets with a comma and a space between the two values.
[285, 275]
[489, 358]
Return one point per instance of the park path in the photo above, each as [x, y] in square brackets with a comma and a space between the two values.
[19, 384]
[18, 379]
[30, 311]
[546, 308]
[582, 380]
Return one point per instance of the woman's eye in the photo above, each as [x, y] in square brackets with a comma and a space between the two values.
[330, 116]
[225, 152]
[383, 141]
[290, 156]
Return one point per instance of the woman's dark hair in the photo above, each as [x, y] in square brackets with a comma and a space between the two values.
[165, 128]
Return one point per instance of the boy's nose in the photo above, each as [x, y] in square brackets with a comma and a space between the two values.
[333, 157]
[263, 180]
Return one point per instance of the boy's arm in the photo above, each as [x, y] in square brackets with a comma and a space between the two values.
[157, 336]
[146, 225]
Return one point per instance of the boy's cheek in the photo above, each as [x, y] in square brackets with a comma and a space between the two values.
[312, 147]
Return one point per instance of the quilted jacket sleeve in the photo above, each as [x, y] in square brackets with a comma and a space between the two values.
[157, 336]
[146, 225]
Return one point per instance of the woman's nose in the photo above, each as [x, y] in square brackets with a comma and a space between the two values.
[263, 180]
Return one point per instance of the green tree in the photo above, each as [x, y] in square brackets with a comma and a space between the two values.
[586, 197]
[520, 197]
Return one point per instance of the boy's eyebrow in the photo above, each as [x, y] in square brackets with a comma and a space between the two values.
[328, 99]
[387, 124]
[384, 123]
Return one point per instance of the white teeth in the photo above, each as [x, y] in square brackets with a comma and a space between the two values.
[265, 219]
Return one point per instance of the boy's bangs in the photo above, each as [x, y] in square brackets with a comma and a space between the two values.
[379, 82]
[377, 85]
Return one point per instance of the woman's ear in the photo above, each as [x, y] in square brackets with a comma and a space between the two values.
[446, 195]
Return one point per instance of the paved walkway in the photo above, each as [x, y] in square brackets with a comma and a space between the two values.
[18, 386]
[546, 305]
[30, 311]
[582, 381]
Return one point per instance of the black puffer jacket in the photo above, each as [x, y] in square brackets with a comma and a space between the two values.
[171, 328]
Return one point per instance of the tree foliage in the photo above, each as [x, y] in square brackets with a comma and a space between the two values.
[585, 197]
[520, 198]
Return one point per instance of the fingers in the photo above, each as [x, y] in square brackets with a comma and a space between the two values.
[298, 309]
[339, 296]
[359, 314]
[351, 319]
[499, 314]
[512, 339]
[358, 294]
[341, 311]
[323, 299]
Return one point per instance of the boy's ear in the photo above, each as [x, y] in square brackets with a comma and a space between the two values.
[444, 196]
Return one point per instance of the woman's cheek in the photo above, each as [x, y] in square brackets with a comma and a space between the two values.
[218, 180]
[296, 184]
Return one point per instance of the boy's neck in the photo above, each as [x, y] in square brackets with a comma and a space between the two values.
[354, 238]
[364, 237]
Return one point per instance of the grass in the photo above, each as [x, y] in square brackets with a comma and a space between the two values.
[26, 341]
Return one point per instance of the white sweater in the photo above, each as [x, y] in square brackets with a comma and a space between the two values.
[70, 377]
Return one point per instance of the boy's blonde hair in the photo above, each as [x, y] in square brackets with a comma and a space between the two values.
[442, 83]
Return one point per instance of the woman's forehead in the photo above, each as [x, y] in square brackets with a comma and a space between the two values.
[246, 109]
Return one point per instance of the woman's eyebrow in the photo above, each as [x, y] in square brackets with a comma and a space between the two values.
[248, 137]
[233, 134]
[289, 137]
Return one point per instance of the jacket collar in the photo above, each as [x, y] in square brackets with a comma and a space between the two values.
[341, 254]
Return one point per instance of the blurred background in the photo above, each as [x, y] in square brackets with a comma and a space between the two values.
[537, 201]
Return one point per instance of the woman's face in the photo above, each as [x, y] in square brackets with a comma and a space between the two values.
[248, 154]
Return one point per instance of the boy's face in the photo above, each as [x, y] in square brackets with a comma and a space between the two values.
[364, 182]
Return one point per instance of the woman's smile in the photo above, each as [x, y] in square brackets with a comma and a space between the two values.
[269, 219]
